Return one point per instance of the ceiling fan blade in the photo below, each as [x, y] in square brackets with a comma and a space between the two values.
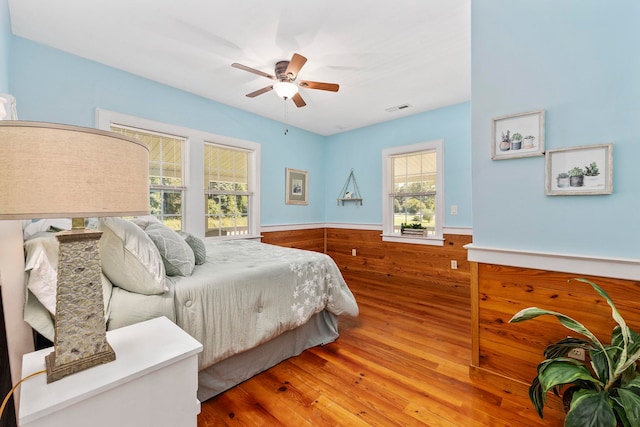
[296, 63]
[331, 87]
[260, 91]
[252, 70]
[297, 99]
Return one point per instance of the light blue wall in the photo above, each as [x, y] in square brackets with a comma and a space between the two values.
[5, 46]
[361, 150]
[579, 61]
[50, 85]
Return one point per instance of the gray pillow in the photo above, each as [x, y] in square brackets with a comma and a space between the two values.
[177, 255]
[197, 245]
[129, 258]
[144, 221]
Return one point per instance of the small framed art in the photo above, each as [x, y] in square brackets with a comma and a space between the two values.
[517, 135]
[296, 187]
[587, 170]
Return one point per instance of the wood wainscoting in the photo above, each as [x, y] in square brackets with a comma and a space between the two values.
[512, 351]
[399, 263]
[312, 239]
[383, 262]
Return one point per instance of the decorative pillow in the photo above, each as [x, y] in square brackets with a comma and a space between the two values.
[176, 254]
[144, 221]
[129, 257]
[41, 264]
[197, 245]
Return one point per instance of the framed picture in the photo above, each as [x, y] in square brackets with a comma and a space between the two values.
[517, 135]
[587, 169]
[297, 187]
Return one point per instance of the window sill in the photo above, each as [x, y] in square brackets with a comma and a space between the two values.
[238, 237]
[396, 238]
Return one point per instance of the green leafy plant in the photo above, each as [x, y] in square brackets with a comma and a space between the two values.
[576, 171]
[604, 392]
[516, 137]
[591, 170]
[412, 226]
[563, 175]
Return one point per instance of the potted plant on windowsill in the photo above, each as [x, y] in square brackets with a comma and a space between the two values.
[413, 229]
[602, 393]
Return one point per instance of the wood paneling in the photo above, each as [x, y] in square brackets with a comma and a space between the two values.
[514, 350]
[394, 263]
[399, 263]
[311, 240]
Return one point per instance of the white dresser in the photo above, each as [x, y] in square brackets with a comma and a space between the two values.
[153, 382]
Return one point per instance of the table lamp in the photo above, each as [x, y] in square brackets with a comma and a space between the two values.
[59, 171]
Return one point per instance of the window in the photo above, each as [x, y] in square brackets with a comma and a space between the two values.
[227, 195]
[187, 164]
[166, 190]
[413, 193]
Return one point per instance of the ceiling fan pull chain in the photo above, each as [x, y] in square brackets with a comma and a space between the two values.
[286, 117]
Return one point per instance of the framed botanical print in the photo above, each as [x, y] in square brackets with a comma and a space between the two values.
[296, 187]
[517, 135]
[586, 170]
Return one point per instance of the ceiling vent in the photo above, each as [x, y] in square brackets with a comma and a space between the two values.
[397, 108]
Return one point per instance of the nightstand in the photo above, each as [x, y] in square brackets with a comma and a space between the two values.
[152, 382]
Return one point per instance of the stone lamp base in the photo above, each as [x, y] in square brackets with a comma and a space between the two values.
[80, 330]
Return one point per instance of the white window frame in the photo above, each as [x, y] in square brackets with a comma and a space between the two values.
[194, 204]
[388, 233]
[251, 165]
[160, 187]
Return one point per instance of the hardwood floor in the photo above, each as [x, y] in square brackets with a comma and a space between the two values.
[403, 362]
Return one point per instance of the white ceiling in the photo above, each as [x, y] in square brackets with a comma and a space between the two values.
[382, 53]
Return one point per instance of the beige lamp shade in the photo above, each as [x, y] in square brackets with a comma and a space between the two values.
[60, 171]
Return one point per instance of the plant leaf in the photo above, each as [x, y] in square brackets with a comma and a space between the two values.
[631, 405]
[590, 408]
[634, 383]
[621, 415]
[633, 349]
[571, 324]
[566, 321]
[553, 372]
[600, 362]
[624, 330]
[537, 396]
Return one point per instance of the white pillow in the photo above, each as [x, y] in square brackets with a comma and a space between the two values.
[129, 257]
[41, 264]
[30, 228]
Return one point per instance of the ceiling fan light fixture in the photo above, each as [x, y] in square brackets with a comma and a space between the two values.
[285, 89]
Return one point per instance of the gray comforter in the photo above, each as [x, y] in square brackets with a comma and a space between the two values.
[249, 292]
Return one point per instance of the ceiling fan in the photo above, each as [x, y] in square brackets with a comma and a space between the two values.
[286, 73]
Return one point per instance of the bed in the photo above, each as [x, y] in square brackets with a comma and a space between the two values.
[250, 304]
